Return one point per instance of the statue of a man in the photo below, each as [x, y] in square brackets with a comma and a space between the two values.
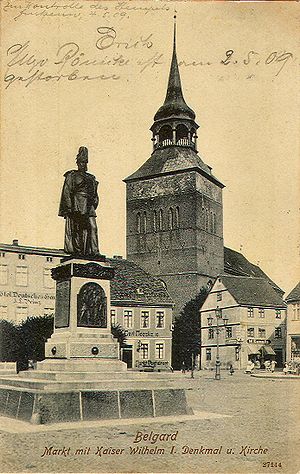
[79, 201]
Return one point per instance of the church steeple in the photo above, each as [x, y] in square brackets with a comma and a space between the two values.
[174, 121]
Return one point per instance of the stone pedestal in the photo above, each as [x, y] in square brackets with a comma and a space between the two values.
[82, 325]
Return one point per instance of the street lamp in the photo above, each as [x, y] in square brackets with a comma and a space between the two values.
[219, 318]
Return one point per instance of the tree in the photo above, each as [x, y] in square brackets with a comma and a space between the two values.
[186, 342]
[9, 341]
[119, 333]
[34, 333]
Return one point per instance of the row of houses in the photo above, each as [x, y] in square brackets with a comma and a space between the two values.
[244, 315]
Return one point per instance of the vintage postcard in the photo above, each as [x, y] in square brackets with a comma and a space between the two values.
[149, 186]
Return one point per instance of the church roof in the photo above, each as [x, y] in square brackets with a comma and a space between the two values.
[132, 285]
[236, 264]
[252, 291]
[170, 160]
[174, 104]
[294, 295]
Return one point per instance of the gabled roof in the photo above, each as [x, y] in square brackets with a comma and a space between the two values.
[252, 291]
[171, 160]
[294, 294]
[236, 264]
[131, 284]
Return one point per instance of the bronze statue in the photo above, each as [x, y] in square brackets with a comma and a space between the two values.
[79, 201]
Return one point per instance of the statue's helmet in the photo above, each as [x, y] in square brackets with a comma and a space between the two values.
[82, 155]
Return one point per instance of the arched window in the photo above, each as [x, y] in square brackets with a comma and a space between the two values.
[145, 222]
[177, 221]
[171, 218]
[160, 220]
[211, 222]
[214, 224]
[206, 220]
[182, 135]
[165, 135]
[154, 221]
[138, 222]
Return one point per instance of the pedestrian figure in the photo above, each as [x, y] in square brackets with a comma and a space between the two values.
[231, 369]
[250, 367]
[286, 368]
[273, 364]
[267, 365]
[183, 367]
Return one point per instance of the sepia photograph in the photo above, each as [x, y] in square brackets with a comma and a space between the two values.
[149, 237]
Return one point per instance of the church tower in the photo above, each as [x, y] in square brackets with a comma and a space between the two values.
[174, 203]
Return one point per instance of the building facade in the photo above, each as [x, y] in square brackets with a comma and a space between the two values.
[243, 317]
[174, 203]
[293, 324]
[140, 303]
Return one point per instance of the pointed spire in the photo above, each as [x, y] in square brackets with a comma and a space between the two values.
[174, 104]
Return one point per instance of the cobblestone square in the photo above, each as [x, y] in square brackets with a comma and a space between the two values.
[260, 433]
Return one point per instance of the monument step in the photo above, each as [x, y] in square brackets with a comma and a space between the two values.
[82, 365]
[110, 384]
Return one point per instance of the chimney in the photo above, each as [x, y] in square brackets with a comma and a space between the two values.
[15, 242]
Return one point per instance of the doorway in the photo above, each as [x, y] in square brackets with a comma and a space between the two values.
[127, 355]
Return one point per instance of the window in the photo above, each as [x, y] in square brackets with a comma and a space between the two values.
[214, 224]
[21, 256]
[261, 333]
[206, 219]
[228, 332]
[145, 222]
[2, 254]
[3, 312]
[208, 354]
[144, 350]
[48, 311]
[3, 274]
[160, 319]
[250, 312]
[250, 332]
[177, 221]
[211, 333]
[296, 311]
[145, 319]
[113, 317]
[278, 313]
[159, 350]
[127, 318]
[155, 221]
[219, 296]
[48, 281]
[138, 222]
[49, 259]
[160, 219]
[261, 312]
[21, 276]
[21, 313]
[278, 333]
[211, 222]
[237, 353]
[171, 218]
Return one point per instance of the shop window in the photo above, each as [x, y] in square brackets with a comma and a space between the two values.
[48, 311]
[144, 350]
[250, 312]
[3, 274]
[208, 354]
[21, 276]
[21, 314]
[145, 317]
[211, 333]
[48, 280]
[127, 318]
[113, 317]
[159, 350]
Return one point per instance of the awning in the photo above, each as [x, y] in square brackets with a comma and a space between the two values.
[253, 349]
[268, 350]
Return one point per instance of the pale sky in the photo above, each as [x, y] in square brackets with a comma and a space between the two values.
[247, 111]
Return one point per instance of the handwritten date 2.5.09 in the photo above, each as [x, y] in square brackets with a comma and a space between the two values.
[280, 58]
